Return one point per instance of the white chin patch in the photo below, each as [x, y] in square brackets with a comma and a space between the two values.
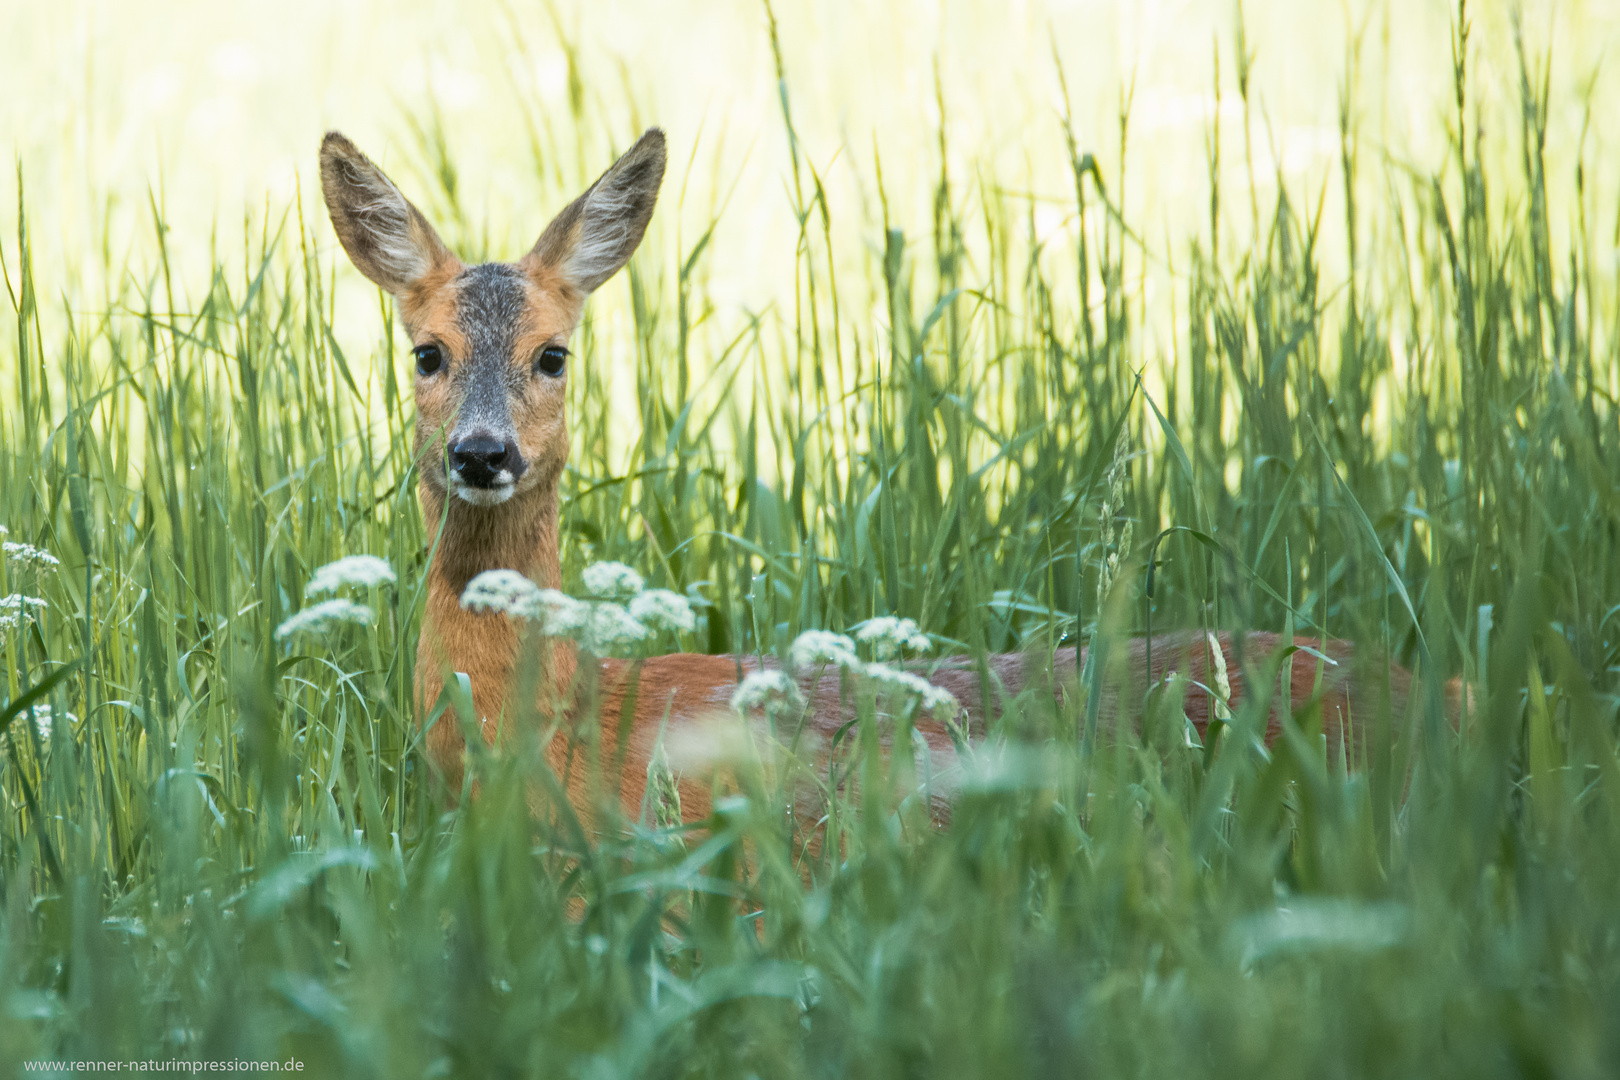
[482, 496]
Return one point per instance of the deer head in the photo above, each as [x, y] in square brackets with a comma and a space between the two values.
[490, 341]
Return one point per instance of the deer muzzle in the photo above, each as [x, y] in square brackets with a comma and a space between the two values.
[484, 469]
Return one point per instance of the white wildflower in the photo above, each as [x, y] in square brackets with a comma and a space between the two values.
[16, 610]
[361, 571]
[504, 591]
[933, 697]
[28, 553]
[44, 719]
[888, 636]
[508, 592]
[660, 609]
[559, 613]
[766, 689]
[325, 615]
[815, 647]
[607, 626]
[4, 531]
[610, 580]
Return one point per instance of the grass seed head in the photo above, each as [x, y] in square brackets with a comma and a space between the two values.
[663, 792]
[1221, 680]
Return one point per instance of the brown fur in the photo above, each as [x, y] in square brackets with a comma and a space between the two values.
[666, 696]
[678, 690]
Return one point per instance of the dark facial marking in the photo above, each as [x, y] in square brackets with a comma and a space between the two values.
[489, 306]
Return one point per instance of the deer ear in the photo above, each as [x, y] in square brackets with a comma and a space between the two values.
[597, 232]
[387, 238]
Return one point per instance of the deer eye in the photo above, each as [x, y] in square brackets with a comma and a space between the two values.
[428, 359]
[552, 360]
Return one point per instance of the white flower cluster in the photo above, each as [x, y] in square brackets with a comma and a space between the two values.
[768, 690]
[44, 719]
[16, 610]
[660, 609]
[351, 571]
[607, 626]
[30, 555]
[358, 571]
[815, 648]
[889, 636]
[558, 612]
[610, 580]
[905, 682]
[600, 625]
[325, 615]
[505, 592]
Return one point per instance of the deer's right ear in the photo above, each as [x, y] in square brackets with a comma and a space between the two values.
[387, 238]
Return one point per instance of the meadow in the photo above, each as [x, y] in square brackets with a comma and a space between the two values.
[1374, 400]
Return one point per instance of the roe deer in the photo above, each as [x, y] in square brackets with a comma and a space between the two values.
[491, 349]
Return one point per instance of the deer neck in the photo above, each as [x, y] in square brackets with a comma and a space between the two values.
[519, 534]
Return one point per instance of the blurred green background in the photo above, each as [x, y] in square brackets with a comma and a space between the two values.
[1039, 325]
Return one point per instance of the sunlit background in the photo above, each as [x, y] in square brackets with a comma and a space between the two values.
[213, 111]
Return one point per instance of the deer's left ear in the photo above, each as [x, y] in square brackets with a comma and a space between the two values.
[598, 232]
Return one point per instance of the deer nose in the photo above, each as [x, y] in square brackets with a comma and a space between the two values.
[485, 462]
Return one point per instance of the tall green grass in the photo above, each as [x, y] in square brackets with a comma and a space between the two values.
[227, 847]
